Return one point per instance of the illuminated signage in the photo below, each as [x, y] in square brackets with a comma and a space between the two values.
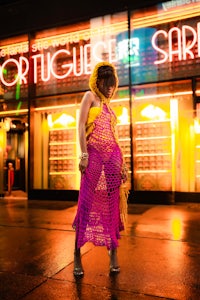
[161, 46]
[48, 63]
[187, 38]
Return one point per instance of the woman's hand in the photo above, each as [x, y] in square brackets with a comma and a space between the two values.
[83, 165]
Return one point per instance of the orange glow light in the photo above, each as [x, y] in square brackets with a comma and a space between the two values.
[124, 118]
[196, 126]
[180, 13]
[13, 112]
[176, 227]
[63, 39]
[163, 95]
[153, 112]
[63, 120]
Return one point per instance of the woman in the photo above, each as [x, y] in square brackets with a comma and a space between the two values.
[101, 163]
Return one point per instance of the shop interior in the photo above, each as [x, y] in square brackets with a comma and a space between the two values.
[15, 158]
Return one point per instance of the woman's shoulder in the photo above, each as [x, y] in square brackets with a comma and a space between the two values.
[91, 99]
[89, 94]
[88, 98]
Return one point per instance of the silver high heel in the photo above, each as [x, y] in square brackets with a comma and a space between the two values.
[113, 269]
[78, 272]
[78, 269]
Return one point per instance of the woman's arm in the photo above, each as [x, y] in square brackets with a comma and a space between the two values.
[86, 103]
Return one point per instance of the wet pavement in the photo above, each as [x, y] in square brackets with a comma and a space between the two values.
[159, 254]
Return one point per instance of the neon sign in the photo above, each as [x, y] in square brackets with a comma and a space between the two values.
[21, 71]
[48, 63]
[77, 61]
[187, 39]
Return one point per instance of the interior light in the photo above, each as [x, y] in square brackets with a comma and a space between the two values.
[179, 13]
[196, 126]
[124, 118]
[60, 119]
[153, 112]
[49, 120]
[7, 124]
[65, 120]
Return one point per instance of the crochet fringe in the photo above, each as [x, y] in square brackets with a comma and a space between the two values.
[124, 192]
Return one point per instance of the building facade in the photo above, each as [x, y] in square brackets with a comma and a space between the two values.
[44, 74]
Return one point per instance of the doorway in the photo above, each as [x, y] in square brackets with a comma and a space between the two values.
[16, 154]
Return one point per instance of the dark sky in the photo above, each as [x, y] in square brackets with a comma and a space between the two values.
[22, 16]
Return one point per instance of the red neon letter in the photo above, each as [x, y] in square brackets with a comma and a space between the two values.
[186, 46]
[10, 60]
[63, 66]
[153, 41]
[75, 62]
[22, 74]
[47, 67]
[34, 57]
[41, 56]
[170, 38]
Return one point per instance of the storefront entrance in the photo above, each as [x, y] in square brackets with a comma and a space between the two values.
[15, 159]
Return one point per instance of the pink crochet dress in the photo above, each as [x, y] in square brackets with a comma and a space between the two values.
[98, 216]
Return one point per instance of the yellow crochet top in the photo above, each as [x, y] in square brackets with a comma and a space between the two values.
[92, 115]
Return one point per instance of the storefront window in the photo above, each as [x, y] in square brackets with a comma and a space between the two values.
[164, 42]
[14, 68]
[121, 107]
[164, 59]
[163, 142]
[63, 58]
[56, 145]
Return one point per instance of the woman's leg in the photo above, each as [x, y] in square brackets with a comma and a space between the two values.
[78, 269]
[114, 266]
[113, 179]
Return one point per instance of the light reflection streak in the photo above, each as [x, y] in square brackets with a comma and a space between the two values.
[175, 252]
[176, 227]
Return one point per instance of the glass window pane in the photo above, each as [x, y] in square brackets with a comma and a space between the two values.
[55, 143]
[163, 147]
[63, 58]
[14, 69]
[164, 42]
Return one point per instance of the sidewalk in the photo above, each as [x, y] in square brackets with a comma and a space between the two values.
[159, 254]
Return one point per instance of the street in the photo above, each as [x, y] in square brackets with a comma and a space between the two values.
[159, 254]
